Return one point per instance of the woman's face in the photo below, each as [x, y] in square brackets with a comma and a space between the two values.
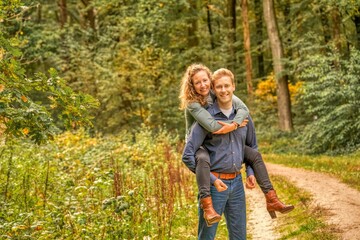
[202, 83]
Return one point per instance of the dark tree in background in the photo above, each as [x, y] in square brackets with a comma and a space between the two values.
[282, 90]
[131, 55]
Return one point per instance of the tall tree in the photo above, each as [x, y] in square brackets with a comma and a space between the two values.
[231, 13]
[259, 37]
[247, 46]
[325, 24]
[336, 29]
[193, 24]
[63, 12]
[282, 89]
[209, 24]
[90, 13]
[357, 26]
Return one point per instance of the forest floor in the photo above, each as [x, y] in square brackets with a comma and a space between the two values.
[341, 202]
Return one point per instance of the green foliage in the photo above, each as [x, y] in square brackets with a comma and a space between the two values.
[331, 99]
[35, 107]
[79, 187]
[130, 55]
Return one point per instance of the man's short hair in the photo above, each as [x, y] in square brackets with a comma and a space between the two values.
[221, 73]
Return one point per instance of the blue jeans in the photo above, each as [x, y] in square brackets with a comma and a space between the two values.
[230, 202]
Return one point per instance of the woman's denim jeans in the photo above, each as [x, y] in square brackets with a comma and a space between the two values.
[230, 202]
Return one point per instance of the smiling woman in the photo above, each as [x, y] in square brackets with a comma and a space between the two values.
[202, 83]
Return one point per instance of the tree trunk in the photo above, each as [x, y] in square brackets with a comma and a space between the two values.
[39, 13]
[209, 25]
[259, 37]
[325, 25]
[282, 89]
[336, 21]
[247, 46]
[288, 24]
[231, 9]
[357, 26]
[90, 14]
[193, 24]
[63, 12]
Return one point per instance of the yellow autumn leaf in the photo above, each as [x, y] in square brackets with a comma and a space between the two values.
[2, 87]
[24, 98]
[26, 131]
[38, 228]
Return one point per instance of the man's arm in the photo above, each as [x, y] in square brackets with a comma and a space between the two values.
[242, 112]
[194, 141]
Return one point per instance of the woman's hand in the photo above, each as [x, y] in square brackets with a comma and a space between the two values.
[220, 185]
[229, 127]
[226, 127]
[244, 123]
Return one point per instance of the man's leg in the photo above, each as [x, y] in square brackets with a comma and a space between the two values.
[219, 201]
[235, 209]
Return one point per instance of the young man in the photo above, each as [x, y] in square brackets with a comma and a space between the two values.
[226, 158]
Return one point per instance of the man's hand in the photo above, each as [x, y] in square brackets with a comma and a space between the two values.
[226, 128]
[220, 185]
[250, 182]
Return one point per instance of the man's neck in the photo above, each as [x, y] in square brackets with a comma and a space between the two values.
[226, 106]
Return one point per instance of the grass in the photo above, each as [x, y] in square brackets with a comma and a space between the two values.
[81, 187]
[346, 167]
[305, 222]
[285, 148]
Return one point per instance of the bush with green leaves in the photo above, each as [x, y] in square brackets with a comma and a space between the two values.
[130, 186]
[331, 97]
[38, 106]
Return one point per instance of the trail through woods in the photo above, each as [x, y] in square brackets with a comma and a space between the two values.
[341, 202]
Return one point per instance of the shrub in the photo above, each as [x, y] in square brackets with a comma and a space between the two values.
[331, 99]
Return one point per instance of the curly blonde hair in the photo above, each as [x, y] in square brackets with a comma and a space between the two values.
[187, 90]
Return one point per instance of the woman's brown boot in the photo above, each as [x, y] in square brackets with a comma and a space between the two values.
[274, 204]
[210, 215]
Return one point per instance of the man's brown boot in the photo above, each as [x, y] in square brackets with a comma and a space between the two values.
[210, 215]
[274, 204]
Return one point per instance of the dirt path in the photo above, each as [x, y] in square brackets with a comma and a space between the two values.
[260, 225]
[342, 202]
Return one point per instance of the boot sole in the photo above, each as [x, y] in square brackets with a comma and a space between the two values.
[287, 210]
[210, 222]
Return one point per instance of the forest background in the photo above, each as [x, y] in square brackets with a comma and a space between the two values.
[89, 93]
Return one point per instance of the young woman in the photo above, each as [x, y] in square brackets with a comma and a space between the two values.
[195, 95]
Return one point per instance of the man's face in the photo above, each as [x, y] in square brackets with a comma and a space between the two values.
[201, 83]
[223, 89]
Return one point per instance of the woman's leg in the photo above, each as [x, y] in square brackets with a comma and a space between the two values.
[203, 180]
[254, 159]
[203, 172]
